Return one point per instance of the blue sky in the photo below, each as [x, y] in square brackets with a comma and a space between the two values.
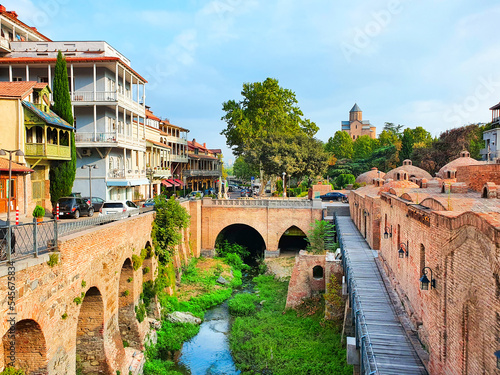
[418, 63]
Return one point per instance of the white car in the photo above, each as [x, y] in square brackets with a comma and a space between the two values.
[127, 208]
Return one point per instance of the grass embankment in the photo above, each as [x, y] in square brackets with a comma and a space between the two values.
[198, 292]
[274, 341]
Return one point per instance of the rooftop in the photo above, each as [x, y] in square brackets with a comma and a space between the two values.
[19, 90]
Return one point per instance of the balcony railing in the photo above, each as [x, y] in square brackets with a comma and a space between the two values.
[200, 172]
[113, 137]
[47, 150]
[179, 158]
[105, 96]
[4, 45]
[121, 174]
[180, 140]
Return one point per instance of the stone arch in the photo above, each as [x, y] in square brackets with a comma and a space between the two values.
[245, 235]
[90, 355]
[407, 197]
[489, 190]
[127, 321]
[433, 204]
[292, 239]
[318, 273]
[393, 191]
[30, 351]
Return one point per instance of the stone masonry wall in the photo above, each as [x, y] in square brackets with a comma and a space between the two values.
[475, 176]
[88, 260]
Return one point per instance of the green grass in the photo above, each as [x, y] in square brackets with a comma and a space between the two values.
[243, 304]
[286, 343]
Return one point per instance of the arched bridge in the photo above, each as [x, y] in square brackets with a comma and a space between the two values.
[271, 218]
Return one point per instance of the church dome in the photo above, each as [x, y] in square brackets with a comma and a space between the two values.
[369, 176]
[450, 169]
[407, 171]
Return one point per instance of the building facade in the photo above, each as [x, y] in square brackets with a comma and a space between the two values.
[204, 168]
[356, 126]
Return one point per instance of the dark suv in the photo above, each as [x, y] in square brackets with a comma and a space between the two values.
[73, 207]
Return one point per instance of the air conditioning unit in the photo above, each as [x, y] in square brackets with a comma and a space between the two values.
[86, 152]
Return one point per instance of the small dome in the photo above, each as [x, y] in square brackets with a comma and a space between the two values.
[369, 176]
[410, 170]
[464, 159]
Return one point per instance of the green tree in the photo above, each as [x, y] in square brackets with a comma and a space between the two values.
[266, 113]
[407, 144]
[394, 129]
[340, 145]
[243, 170]
[345, 179]
[171, 218]
[317, 237]
[387, 138]
[362, 147]
[421, 137]
[62, 173]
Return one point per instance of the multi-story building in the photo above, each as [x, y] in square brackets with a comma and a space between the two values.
[29, 125]
[204, 167]
[157, 154]
[491, 152]
[176, 138]
[12, 29]
[108, 105]
[356, 126]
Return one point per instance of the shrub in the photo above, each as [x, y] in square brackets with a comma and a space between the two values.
[125, 344]
[53, 259]
[125, 293]
[145, 270]
[136, 262]
[129, 280]
[234, 260]
[159, 367]
[38, 211]
[140, 312]
[224, 247]
[242, 304]
[12, 371]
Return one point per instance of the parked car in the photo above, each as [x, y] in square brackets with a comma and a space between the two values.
[73, 207]
[128, 208]
[96, 202]
[193, 194]
[149, 203]
[333, 196]
[246, 192]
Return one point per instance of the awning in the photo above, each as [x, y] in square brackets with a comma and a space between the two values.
[178, 181]
[135, 182]
[166, 183]
[173, 182]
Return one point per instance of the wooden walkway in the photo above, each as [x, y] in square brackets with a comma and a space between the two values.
[385, 348]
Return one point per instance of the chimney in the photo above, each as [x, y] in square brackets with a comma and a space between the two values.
[204, 145]
[194, 141]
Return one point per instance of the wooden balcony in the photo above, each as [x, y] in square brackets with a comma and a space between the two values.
[47, 151]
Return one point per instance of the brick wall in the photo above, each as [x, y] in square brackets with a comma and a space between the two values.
[45, 294]
[475, 176]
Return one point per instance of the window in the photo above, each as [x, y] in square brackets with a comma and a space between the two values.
[43, 79]
[318, 272]
[17, 79]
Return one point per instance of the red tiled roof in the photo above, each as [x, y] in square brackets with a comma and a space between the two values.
[149, 114]
[158, 143]
[201, 156]
[17, 89]
[13, 17]
[49, 60]
[16, 168]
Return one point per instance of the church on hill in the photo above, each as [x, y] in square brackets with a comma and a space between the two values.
[356, 126]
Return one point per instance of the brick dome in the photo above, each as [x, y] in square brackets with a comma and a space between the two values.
[368, 177]
[463, 159]
[410, 170]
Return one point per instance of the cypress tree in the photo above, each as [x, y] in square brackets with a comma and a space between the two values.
[62, 173]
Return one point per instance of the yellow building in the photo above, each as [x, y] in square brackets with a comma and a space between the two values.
[29, 125]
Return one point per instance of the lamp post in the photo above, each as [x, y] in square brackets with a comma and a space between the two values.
[403, 249]
[284, 186]
[424, 280]
[4, 152]
[184, 183]
[90, 167]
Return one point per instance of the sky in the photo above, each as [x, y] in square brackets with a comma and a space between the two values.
[429, 63]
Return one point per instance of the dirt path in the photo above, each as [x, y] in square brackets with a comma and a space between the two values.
[280, 267]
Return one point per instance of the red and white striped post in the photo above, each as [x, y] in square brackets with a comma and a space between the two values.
[57, 212]
[17, 215]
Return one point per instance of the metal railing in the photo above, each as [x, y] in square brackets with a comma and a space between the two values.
[368, 363]
[271, 203]
[27, 240]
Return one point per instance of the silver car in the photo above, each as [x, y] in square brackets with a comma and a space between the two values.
[127, 208]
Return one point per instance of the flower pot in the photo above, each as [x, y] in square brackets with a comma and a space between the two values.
[39, 219]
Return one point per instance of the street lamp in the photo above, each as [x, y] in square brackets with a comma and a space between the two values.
[403, 250]
[90, 167]
[4, 152]
[284, 186]
[184, 181]
[424, 280]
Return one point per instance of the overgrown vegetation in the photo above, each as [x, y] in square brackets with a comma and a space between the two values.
[12, 371]
[279, 342]
[243, 304]
[53, 260]
[318, 237]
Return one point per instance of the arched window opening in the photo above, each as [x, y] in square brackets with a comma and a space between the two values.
[318, 273]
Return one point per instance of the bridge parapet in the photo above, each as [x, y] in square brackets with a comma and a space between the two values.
[271, 203]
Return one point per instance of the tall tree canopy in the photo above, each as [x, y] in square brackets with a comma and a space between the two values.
[62, 173]
[266, 109]
[340, 145]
